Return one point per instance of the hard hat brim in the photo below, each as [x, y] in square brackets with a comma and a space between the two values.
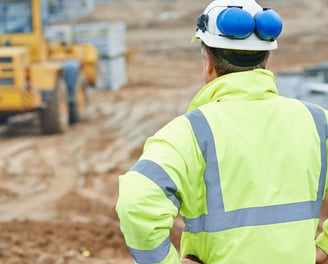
[252, 43]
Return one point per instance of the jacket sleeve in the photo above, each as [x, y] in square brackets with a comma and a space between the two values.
[322, 239]
[146, 217]
[149, 196]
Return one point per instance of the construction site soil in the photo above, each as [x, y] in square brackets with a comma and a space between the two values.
[58, 192]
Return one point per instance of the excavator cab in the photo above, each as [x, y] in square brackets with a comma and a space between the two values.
[16, 17]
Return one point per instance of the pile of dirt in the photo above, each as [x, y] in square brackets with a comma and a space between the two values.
[33, 242]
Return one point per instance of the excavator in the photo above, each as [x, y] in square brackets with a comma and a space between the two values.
[51, 79]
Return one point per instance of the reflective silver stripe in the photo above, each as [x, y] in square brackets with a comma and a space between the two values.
[151, 256]
[159, 176]
[155, 173]
[205, 140]
[321, 124]
[254, 216]
[217, 219]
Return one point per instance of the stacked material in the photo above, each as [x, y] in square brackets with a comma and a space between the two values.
[110, 41]
[59, 34]
[109, 38]
[112, 73]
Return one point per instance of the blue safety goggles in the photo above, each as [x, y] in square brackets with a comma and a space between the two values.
[236, 23]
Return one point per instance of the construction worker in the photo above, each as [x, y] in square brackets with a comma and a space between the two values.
[244, 167]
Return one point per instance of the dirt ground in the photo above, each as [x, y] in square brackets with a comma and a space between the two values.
[58, 193]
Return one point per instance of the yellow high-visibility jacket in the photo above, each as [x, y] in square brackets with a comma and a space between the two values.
[246, 169]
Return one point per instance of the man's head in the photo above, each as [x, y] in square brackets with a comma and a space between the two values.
[236, 35]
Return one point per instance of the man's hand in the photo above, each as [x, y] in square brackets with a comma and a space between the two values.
[188, 261]
[322, 257]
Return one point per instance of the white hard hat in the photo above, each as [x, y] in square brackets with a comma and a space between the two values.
[238, 25]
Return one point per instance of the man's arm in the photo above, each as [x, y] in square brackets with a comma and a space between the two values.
[152, 191]
[322, 245]
[322, 257]
[146, 217]
[188, 261]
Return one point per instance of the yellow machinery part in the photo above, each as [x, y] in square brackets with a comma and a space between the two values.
[86, 53]
[14, 63]
[44, 75]
[15, 100]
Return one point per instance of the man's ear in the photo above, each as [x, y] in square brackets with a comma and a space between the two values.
[208, 68]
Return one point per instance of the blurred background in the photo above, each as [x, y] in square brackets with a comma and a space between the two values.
[133, 69]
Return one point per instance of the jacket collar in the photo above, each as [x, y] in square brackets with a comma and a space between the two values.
[257, 84]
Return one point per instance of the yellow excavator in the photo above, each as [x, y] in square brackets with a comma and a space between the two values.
[50, 78]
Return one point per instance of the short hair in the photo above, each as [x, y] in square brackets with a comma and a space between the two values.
[229, 61]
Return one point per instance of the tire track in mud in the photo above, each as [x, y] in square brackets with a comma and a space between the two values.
[61, 179]
[39, 174]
